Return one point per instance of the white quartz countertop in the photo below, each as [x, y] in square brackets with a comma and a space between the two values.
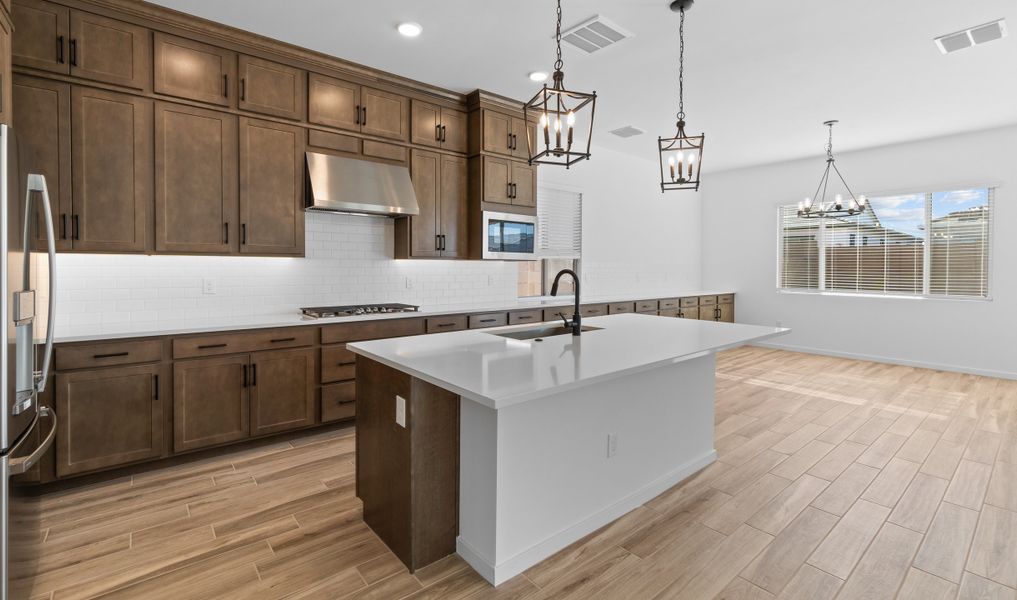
[294, 318]
[499, 372]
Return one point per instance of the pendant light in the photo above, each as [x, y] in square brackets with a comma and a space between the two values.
[562, 116]
[681, 156]
[817, 206]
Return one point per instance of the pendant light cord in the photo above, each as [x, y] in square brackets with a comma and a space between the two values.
[558, 64]
[681, 67]
[829, 143]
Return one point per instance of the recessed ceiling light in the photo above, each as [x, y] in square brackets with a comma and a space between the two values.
[538, 76]
[410, 29]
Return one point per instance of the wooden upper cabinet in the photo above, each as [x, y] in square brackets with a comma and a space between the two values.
[452, 217]
[438, 126]
[188, 69]
[425, 172]
[524, 184]
[385, 114]
[282, 385]
[271, 88]
[111, 167]
[111, 51]
[333, 102]
[43, 124]
[195, 180]
[211, 402]
[455, 131]
[43, 35]
[497, 177]
[271, 188]
[519, 144]
[497, 133]
[109, 417]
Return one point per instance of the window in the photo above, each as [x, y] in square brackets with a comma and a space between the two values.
[926, 244]
[559, 242]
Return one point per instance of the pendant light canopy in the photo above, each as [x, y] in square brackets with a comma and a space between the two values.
[681, 156]
[817, 205]
[563, 119]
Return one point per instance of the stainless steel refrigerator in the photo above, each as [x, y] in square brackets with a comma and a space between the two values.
[26, 303]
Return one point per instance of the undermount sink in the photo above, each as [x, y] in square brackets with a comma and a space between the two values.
[541, 332]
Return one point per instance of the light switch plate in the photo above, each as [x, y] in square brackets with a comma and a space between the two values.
[400, 411]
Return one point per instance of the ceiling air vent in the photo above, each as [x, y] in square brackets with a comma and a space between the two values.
[595, 33]
[972, 36]
[627, 131]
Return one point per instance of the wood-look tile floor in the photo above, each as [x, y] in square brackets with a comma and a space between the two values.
[835, 478]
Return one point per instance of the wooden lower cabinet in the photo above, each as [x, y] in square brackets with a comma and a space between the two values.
[689, 312]
[338, 401]
[211, 402]
[726, 312]
[282, 386]
[109, 417]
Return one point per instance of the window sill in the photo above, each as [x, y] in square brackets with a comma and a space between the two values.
[793, 292]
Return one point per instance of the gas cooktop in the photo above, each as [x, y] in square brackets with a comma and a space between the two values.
[323, 312]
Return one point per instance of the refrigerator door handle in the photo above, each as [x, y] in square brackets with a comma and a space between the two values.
[37, 183]
[21, 464]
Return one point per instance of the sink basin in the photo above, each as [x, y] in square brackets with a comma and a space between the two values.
[541, 332]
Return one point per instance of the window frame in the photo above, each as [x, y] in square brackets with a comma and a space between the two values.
[926, 253]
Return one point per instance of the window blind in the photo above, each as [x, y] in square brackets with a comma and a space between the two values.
[799, 250]
[559, 223]
[959, 232]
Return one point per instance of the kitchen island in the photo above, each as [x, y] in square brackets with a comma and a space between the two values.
[505, 447]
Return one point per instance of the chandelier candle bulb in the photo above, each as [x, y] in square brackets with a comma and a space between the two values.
[670, 163]
[692, 161]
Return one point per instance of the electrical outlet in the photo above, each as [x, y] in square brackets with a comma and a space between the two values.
[409, 283]
[208, 286]
[490, 280]
[612, 444]
[400, 411]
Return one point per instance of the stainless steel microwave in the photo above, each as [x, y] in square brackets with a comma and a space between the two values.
[509, 236]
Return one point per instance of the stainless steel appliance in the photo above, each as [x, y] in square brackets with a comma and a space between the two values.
[324, 312]
[508, 236]
[27, 302]
[348, 185]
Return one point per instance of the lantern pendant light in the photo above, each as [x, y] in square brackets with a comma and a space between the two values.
[817, 206]
[681, 156]
[562, 118]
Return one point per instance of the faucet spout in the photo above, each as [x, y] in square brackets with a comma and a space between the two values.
[576, 322]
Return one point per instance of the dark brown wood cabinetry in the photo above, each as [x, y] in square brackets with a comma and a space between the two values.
[111, 170]
[282, 390]
[211, 403]
[271, 188]
[440, 184]
[438, 126]
[336, 103]
[270, 88]
[43, 33]
[188, 69]
[508, 182]
[109, 417]
[384, 114]
[195, 180]
[111, 51]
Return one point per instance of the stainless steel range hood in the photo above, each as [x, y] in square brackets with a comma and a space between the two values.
[349, 185]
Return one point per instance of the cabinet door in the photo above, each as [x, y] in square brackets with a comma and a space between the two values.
[708, 313]
[425, 123]
[385, 114]
[43, 123]
[452, 220]
[497, 176]
[6, 101]
[497, 133]
[271, 188]
[726, 312]
[111, 169]
[271, 89]
[108, 417]
[109, 50]
[333, 102]
[188, 69]
[195, 180]
[524, 184]
[210, 402]
[425, 171]
[454, 132]
[689, 312]
[519, 144]
[42, 38]
[282, 390]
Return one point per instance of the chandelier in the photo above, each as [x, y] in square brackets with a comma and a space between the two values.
[817, 206]
[558, 136]
[681, 156]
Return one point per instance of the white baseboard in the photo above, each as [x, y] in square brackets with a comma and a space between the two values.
[497, 574]
[889, 360]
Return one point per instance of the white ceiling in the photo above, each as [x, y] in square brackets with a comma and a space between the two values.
[760, 77]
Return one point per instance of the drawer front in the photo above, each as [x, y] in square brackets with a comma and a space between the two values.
[647, 306]
[337, 364]
[105, 355]
[687, 302]
[593, 310]
[488, 320]
[385, 151]
[443, 324]
[232, 343]
[725, 299]
[707, 300]
[333, 141]
[338, 401]
[671, 312]
[668, 303]
[371, 330]
[621, 307]
[524, 316]
[558, 313]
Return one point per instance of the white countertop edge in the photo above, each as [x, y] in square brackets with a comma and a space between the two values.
[528, 396]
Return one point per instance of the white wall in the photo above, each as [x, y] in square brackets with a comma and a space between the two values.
[740, 251]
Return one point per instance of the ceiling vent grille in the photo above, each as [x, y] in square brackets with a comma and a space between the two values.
[627, 131]
[595, 33]
[972, 36]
